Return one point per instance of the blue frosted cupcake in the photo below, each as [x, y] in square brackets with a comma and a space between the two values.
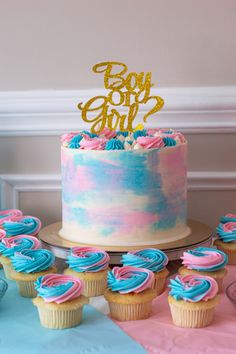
[27, 266]
[152, 259]
[226, 232]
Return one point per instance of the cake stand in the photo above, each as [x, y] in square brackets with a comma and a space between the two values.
[200, 235]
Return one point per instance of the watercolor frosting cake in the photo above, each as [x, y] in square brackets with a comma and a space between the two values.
[124, 188]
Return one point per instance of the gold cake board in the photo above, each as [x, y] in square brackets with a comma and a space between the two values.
[200, 235]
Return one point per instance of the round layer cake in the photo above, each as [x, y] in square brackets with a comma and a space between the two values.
[124, 189]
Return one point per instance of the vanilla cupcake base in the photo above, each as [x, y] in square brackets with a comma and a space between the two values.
[228, 248]
[6, 264]
[130, 307]
[58, 316]
[192, 314]
[160, 281]
[218, 275]
[25, 281]
[95, 283]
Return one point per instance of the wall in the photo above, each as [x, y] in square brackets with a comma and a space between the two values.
[47, 50]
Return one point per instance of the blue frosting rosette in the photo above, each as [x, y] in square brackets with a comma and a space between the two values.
[10, 245]
[149, 258]
[88, 259]
[129, 279]
[27, 225]
[32, 261]
[193, 288]
[227, 231]
[227, 218]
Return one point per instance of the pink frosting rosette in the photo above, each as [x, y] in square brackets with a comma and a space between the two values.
[229, 226]
[9, 214]
[13, 241]
[93, 143]
[107, 133]
[2, 234]
[58, 288]
[66, 138]
[150, 142]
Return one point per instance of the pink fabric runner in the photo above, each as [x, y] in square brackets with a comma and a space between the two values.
[159, 336]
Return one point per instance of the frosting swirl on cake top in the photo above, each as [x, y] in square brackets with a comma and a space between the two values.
[10, 245]
[149, 258]
[9, 214]
[32, 261]
[112, 140]
[227, 231]
[204, 259]
[58, 288]
[193, 288]
[27, 225]
[129, 279]
[88, 259]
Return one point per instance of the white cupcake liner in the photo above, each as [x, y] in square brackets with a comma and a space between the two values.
[129, 312]
[26, 288]
[59, 319]
[7, 270]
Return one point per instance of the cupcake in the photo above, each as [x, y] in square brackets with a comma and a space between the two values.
[205, 261]
[59, 300]
[9, 214]
[152, 259]
[192, 300]
[27, 266]
[228, 218]
[90, 265]
[10, 245]
[130, 293]
[22, 225]
[226, 242]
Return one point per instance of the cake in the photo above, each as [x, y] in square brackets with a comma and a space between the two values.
[124, 188]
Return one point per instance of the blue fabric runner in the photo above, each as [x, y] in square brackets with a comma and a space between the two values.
[21, 332]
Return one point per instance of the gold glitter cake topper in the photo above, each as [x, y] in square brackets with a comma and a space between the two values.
[128, 90]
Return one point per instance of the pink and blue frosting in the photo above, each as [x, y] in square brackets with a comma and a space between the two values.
[88, 259]
[27, 225]
[32, 260]
[204, 259]
[227, 231]
[9, 214]
[58, 288]
[129, 279]
[149, 258]
[2, 234]
[227, 218]
[193, 288]
[10, 245]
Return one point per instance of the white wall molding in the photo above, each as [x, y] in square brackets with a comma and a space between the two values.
[194, 110]
[12, 185]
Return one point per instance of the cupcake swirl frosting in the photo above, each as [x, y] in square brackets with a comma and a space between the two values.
[88, 259]
[129, 279]
[32, 261]
[2, 234]
[27, 225]
[193, 288]
[10, 245]
[228, 217]
[227, 231]
[149, 258]
[204, 259]
[58, 288]
[9, 214]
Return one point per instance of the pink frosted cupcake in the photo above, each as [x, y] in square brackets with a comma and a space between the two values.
[59, 301]
[9, 214]
[10, 245]
[192, 300]
[91, 266]
[205, 261]
[22, 225]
